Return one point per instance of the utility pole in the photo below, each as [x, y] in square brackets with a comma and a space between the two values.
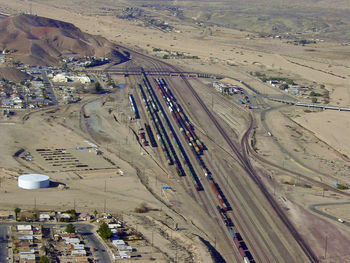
[325, 248]
[34, 203]
[74, 204]
[152, 245]
[104, 206]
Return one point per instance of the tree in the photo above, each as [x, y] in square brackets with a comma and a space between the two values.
[289, 81]
[98, 87]
[17, 210]
[44, 259]
[314, 100]
[104, 231]
[284, 86]
[70, 228]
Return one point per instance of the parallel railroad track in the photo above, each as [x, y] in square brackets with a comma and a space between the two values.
[244, 162]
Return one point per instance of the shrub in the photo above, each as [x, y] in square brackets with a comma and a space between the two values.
[142, 208]
[70, 228]
[342, 187]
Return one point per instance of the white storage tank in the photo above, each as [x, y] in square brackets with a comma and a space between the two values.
[33, 181]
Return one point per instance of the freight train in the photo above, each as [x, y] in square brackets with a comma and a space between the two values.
[143, 137]
[197, 147]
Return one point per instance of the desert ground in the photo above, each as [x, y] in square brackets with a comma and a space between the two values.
[312, 143]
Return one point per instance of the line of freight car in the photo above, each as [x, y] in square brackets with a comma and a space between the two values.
[147, 85]
[227, 221]
[150, 135]
[187, 163]
[185, 159]
[237, 239]
[241, 249]
[179, 168]
[171, 153]
[214, 188]
[174, 108]
[134, 106]
[154, 99]
[143, 137]
[188, 133]
[156, 127]
[162, 82]
[161, 140]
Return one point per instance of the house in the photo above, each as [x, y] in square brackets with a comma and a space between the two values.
[118, 242]
[27, 257]
[44, 217]
[24, 227]
[80, 252]
[61, 77]
[293, 90]
[85, 217]
[274, 83]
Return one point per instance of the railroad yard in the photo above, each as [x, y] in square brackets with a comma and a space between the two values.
[207, 164]
[192, 150]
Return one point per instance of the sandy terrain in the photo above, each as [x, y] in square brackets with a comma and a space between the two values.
[314, 151]
[330, 127]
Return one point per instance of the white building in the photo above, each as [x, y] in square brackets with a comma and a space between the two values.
[61, 77]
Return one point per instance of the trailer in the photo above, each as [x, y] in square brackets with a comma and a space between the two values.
[134, 106]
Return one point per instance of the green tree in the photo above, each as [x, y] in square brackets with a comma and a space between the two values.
[314, 100]
[17, 210]
[284, 86]
[104, 231]
[70, 228]
[98, 87]
[289, 81]
[44, 259]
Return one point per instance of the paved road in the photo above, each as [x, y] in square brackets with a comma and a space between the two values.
[315, 209]
[86, 230]
[3, 242]
[48, 87]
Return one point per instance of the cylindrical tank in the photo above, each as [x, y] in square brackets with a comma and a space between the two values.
[33, 181]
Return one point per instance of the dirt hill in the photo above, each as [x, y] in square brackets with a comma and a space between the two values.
[41, 41]
[13, 74]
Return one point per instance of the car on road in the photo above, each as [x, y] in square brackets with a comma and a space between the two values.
[94, 249]
[340, 220]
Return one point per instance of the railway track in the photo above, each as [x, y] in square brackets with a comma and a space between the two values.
[209, 206]
[244, 161]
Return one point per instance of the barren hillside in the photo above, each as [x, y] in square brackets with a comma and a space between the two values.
[41, 41]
